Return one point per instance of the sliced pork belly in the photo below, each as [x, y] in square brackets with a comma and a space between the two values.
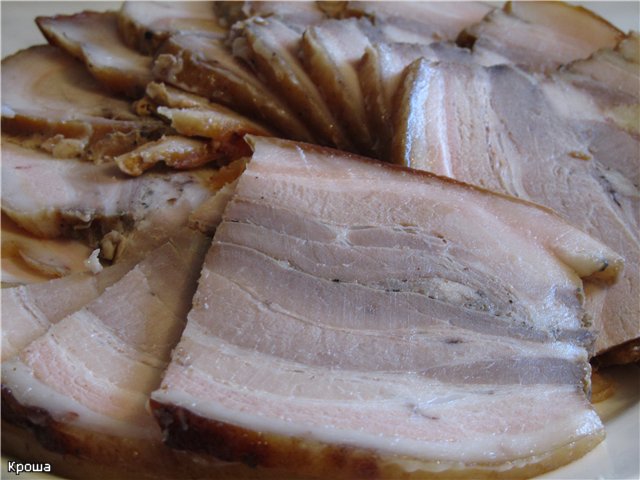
[611, 72]
[272, 48]
[539, 35]
[420, 22]
[203, 65]
[145, 25]
[83, 386]
[160, 205]
[358, 319]
[93, 38]
[50, 100]
[466, 122]
[331, 52]
[381, 71]
[50, 197]
[29, 310]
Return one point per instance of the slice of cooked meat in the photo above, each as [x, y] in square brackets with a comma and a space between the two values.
[203, 65]
[356, 319]
[93, 38]
[156, 206]
[272, 48]
[28, 259]
[29, 310]
[538, 35]
[610, 71]
[50, 197]
[331, 51]
[146, 25]
[50, 100]
[420, 22]
[85, 383]
[174, 151]
[208, 216]
[466, 122]
[381, 71]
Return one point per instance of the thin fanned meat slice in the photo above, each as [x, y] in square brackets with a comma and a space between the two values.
[146, 25]
[381, 71]
[443, 336]
[466, 122]
[272, 48]
[420, 22]
[89, 377]
[50, 100]
[204, 66]
[331, 51]
[51, 197]
[539, 36]
[93, 38]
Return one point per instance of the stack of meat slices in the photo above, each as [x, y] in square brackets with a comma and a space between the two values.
[352, 319]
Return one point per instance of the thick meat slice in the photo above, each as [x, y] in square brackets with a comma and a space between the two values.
[331, 51]
[539, 35]
[381, 71]
[359, 319]
[145, 25]
[272, 48]
[51, 197]
[93, 38]
[611, 72]
[203, 65]
[83, 386]
[50, 100]
[420, 22]
[466, 122]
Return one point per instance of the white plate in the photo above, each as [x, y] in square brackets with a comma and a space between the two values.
[618, 457]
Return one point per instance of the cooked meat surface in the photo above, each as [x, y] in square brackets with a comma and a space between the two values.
[93, 38]
[90, 375]
[381, 71]
[298, 14]
[466, 122]
[29, 259]
[331, 52]
[145, 25]
[421, 22]
[29, 310]
[204, 66]
[272, 47]
[437, 317]
[50, 100]
[539, 35]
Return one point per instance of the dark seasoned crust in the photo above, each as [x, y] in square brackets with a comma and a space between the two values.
[184, 430]
[31, 434]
